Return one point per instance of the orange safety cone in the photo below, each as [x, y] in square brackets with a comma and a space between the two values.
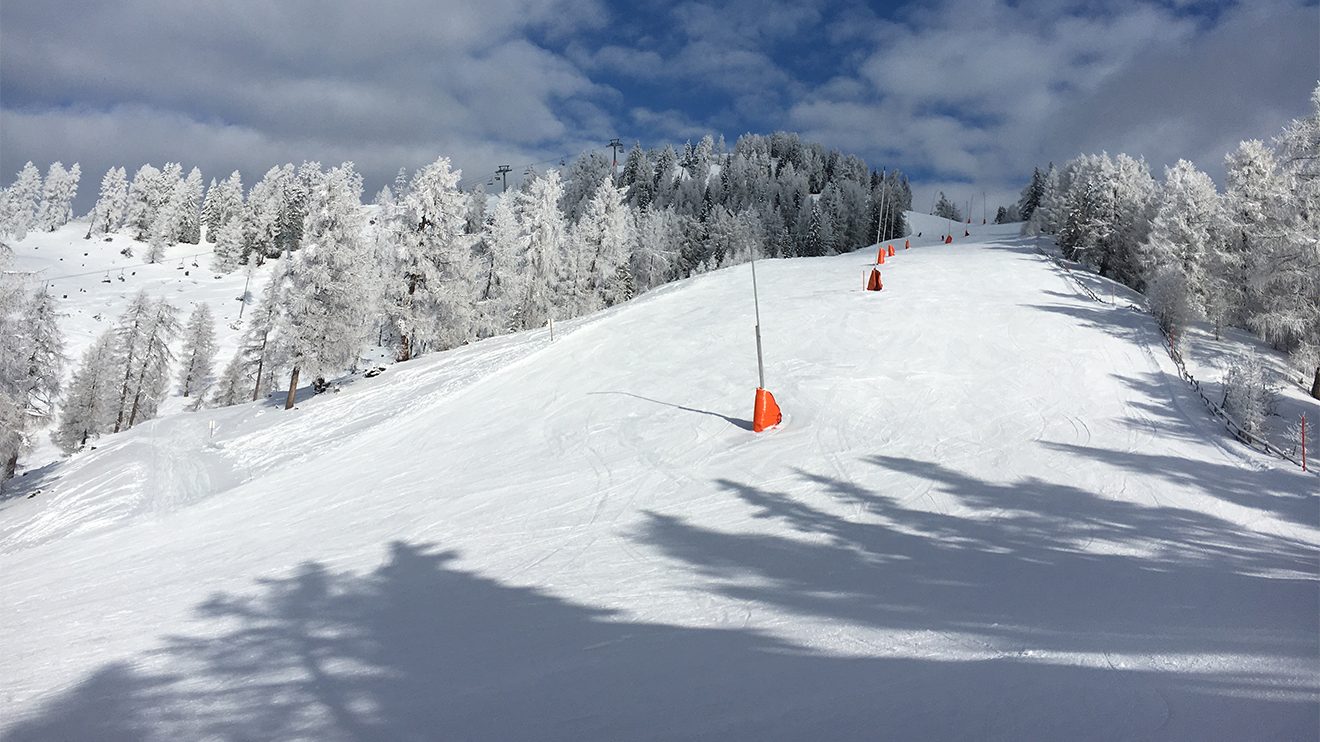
[874, 283]
[891, 251]
[907, 244]
[880, 259]
[766, 414]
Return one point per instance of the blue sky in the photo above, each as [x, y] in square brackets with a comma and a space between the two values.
[964, 95]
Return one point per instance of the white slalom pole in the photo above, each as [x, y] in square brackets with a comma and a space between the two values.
[756, 302]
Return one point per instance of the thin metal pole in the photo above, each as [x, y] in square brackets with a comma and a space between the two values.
[884, 197]
[756, 302]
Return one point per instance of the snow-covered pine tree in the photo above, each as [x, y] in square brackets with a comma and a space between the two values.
[1250, 394]
[581, 181]
[636, 178]
[141, 210]
[1290, 315]
[431, 299]
[130, 333]
[150, 377]
[89, 403]
[252, 369]
[111, 204]
[320, 321]
[187, 199]
[543, 225]
[659, 238]
[57, 195]
[1048, 216]
[23, 200]
[1031, 194]
[499, 282]
[666, 170]
[228, 253]
[162, 229]
[605, 236]
[945, 209]
[198, 358]
[1188, 225]
[35, 380]
[226, 205]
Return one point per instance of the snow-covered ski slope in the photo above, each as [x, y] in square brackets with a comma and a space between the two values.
[992, 512]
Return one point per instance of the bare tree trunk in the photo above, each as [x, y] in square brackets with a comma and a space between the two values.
[405, 348]
[261, 366]
[11, 466]
[1315, 384]
[293, 388]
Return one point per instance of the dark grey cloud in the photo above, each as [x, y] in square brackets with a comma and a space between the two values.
[251, 84]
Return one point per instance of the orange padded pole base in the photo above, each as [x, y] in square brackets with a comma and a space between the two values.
[873, 283]
[766, 414]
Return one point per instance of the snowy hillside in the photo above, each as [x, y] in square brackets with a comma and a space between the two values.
[993, 511]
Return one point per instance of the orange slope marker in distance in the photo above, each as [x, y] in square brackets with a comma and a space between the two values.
[874, 282]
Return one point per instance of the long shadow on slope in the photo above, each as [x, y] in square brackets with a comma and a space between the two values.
[1288, 494]
[1030, 564]
[736, 422]
[420, 650]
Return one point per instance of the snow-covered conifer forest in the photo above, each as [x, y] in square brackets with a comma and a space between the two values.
[424, 267]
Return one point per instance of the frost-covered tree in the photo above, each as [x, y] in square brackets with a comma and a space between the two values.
[141, 359]
[1250, 394]
[659, 240]
[546, 234]
[224, 204]
[321, 322]
[1031, 195]
[1289, 315]
[22, 202]
[144, 197]
[112, 203]
[431, 299]
[32, 374]
[57, 195]
[198, 357]
[945, 209]
[637, 178]
[89, 404]
[499, 285]
[1188, 225]
[581, 181]
[228, 253]
[187, 201]
[252, 370]
[1048, 216]
[604, 237]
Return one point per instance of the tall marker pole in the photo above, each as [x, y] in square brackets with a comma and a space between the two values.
[756, 304]
[884, 198]
[765, 412]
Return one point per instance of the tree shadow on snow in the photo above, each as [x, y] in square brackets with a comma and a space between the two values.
[736, 422]
[420, 650]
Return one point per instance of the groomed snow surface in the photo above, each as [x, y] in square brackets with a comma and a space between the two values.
[993, 511]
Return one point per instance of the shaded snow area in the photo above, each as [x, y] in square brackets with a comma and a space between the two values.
[993, 511]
